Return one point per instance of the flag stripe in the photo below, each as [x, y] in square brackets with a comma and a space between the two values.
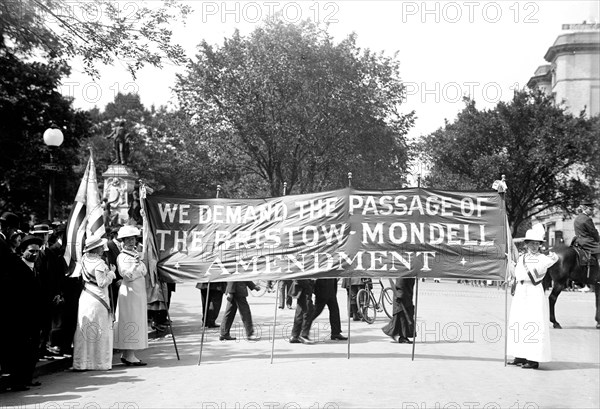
[86, 218]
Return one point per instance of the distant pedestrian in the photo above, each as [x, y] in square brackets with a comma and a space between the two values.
[284, 294]
[237, 292]
[215, 299]
[326, 295]
[302, 290]
[402, 324]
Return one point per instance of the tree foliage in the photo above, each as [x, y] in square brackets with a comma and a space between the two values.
[287, 104]
[544, 152]
[95, 30]
[29, 102]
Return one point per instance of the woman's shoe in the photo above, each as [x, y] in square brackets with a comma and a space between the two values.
[530, 365]
[404, 340]
[517, 362]
[129, 363]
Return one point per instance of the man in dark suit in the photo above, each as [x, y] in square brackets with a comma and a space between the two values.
[585, 231]
[302, 290]
[114, 249]
[285, 297]
[237, 292]
[9, 223]
[326, 295]
[52, 269]
[215, 298]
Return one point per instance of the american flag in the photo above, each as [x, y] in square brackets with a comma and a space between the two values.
[86, 218]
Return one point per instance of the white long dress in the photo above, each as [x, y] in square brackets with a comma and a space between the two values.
[131, 326]
[528, 328]
[93, 341]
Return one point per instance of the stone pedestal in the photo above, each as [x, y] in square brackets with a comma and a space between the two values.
[119, 183]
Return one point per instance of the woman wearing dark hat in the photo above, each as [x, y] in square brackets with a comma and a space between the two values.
[23, 300]
[93, 343]
[131, 329]
[529, 331]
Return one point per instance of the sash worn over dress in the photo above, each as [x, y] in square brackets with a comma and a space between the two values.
[528, 328]
[93, 342]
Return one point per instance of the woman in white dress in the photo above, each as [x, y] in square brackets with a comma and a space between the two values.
[131, 329]
[93, 341]
[529, 330]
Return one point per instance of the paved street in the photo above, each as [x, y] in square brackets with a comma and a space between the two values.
[458, 362]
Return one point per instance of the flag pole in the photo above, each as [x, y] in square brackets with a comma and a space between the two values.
[274, 322]
[162, 289]
[501, 188]
[206, 304]
[204, 321]
[416, 299]
[276, 299]
[143, 192]
[349, 289]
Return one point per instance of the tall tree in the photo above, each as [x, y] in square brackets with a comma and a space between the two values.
[544, 152]
[289, 105]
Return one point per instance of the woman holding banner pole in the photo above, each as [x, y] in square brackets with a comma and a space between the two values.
[528, 328]
[131, 326]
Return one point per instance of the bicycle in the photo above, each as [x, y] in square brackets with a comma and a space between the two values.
[368, 306]
[265, 286]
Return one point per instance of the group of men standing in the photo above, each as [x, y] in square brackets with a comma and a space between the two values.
[325, 291]
[41, 297]
[400, 328]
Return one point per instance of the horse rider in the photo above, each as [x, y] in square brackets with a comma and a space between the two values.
[585, 231]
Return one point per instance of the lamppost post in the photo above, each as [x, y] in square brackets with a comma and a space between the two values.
[53, 138]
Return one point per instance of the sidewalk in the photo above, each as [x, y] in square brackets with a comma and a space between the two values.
[458, 363]
[57, 364]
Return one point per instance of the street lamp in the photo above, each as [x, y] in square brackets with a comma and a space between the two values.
[53, 138]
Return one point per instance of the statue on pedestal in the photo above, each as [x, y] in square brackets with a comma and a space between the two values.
[121, 143]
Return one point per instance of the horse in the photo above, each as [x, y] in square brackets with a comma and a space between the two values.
[567, 267]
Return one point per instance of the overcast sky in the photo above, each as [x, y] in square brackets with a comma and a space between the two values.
[446, 48]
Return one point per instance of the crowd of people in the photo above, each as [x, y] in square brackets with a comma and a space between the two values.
[103, 304]
[84, 311]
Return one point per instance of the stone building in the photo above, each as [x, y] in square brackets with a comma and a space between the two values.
[572, 77]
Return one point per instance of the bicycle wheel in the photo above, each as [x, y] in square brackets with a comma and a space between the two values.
[387, 300]
[366, 306]
[263, 288]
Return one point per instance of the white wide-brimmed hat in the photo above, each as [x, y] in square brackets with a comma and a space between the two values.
[93, 242]
[536, 233]
[128, 231]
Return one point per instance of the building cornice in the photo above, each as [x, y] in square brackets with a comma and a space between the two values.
[576, 42]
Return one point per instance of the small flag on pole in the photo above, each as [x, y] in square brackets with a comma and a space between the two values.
[86, 218]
